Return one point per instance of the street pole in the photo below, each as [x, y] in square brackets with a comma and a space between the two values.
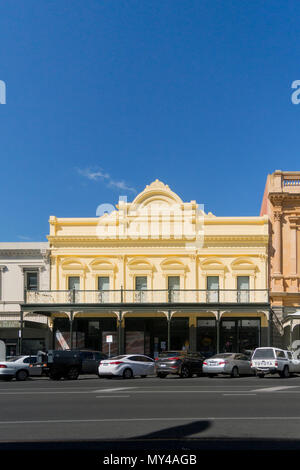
[21, 334]
[218, 332]
[71, 330]
[169, 330]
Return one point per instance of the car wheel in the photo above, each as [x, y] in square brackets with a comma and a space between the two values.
[285, 373]
[72, 374]
[234, 372]
[185, 372]
[22, 375]
[161, 375]
[127, 374]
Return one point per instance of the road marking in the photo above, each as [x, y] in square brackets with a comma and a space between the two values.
[275, 389]
[113, 389]
[238, 394]
[113, 396]
[285, 390]
[126, 420]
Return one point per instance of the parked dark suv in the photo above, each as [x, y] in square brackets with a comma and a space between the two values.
[182, 363]
[70, 363]
[91, 361]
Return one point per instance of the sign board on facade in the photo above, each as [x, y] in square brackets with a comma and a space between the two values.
[9, 324]
[109, 339]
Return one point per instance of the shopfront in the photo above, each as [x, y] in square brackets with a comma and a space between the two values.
[236, 334]
[88, 333]
[149, 335]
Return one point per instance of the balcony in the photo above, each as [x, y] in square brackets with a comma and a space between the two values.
[157, 296]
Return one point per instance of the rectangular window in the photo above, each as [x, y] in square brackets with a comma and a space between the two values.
[31, 280]
[74, 282]
[212, 288]
[103, 288]
[173, 288]
[140, 286]
[74, 285]
[243, 289]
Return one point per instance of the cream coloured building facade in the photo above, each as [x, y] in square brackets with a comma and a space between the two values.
[157, 273]
[23, 265]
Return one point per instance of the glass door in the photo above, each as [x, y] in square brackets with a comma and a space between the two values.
[212, 289]
[140, 287]
[74, 285]
[103, 288]
[228, 336]
[173, 288]
[243, 289]
[249, 334]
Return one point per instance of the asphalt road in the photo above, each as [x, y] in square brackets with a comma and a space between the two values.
[176, 412]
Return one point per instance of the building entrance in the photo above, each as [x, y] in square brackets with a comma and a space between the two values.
[239, 335]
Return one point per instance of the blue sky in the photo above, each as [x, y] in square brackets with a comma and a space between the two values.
[105, 96]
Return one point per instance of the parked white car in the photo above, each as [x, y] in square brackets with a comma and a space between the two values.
[274, 361]
[126, 366]
[20, 368]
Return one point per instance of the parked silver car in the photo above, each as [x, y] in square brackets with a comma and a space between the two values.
[233, 364]
[20, 368]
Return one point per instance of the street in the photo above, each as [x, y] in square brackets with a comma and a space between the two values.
[196, 411]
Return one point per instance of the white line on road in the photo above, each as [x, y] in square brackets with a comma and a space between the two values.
[239, 394]
[279, 390]
[127, 420]
[113, 389]
[275, 389]
[113, 396]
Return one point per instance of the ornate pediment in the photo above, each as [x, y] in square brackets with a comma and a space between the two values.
[157, 213]
[157, 193]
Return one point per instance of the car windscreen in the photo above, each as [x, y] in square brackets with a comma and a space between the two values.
[263, 354]
[117, 357]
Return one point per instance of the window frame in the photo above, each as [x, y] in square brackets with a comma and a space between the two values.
[32, 270]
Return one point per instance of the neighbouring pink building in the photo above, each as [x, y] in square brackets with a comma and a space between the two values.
[281, 202]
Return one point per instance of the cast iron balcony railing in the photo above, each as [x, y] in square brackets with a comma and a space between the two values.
[147, 296]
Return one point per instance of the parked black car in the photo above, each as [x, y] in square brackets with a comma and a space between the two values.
[91, 361]
[69, 364]
[182, 363]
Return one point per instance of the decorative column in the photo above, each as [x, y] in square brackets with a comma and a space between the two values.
[293, 275]
[293, 252]
[277, 242]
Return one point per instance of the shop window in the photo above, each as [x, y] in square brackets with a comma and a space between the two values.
[206, 336]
